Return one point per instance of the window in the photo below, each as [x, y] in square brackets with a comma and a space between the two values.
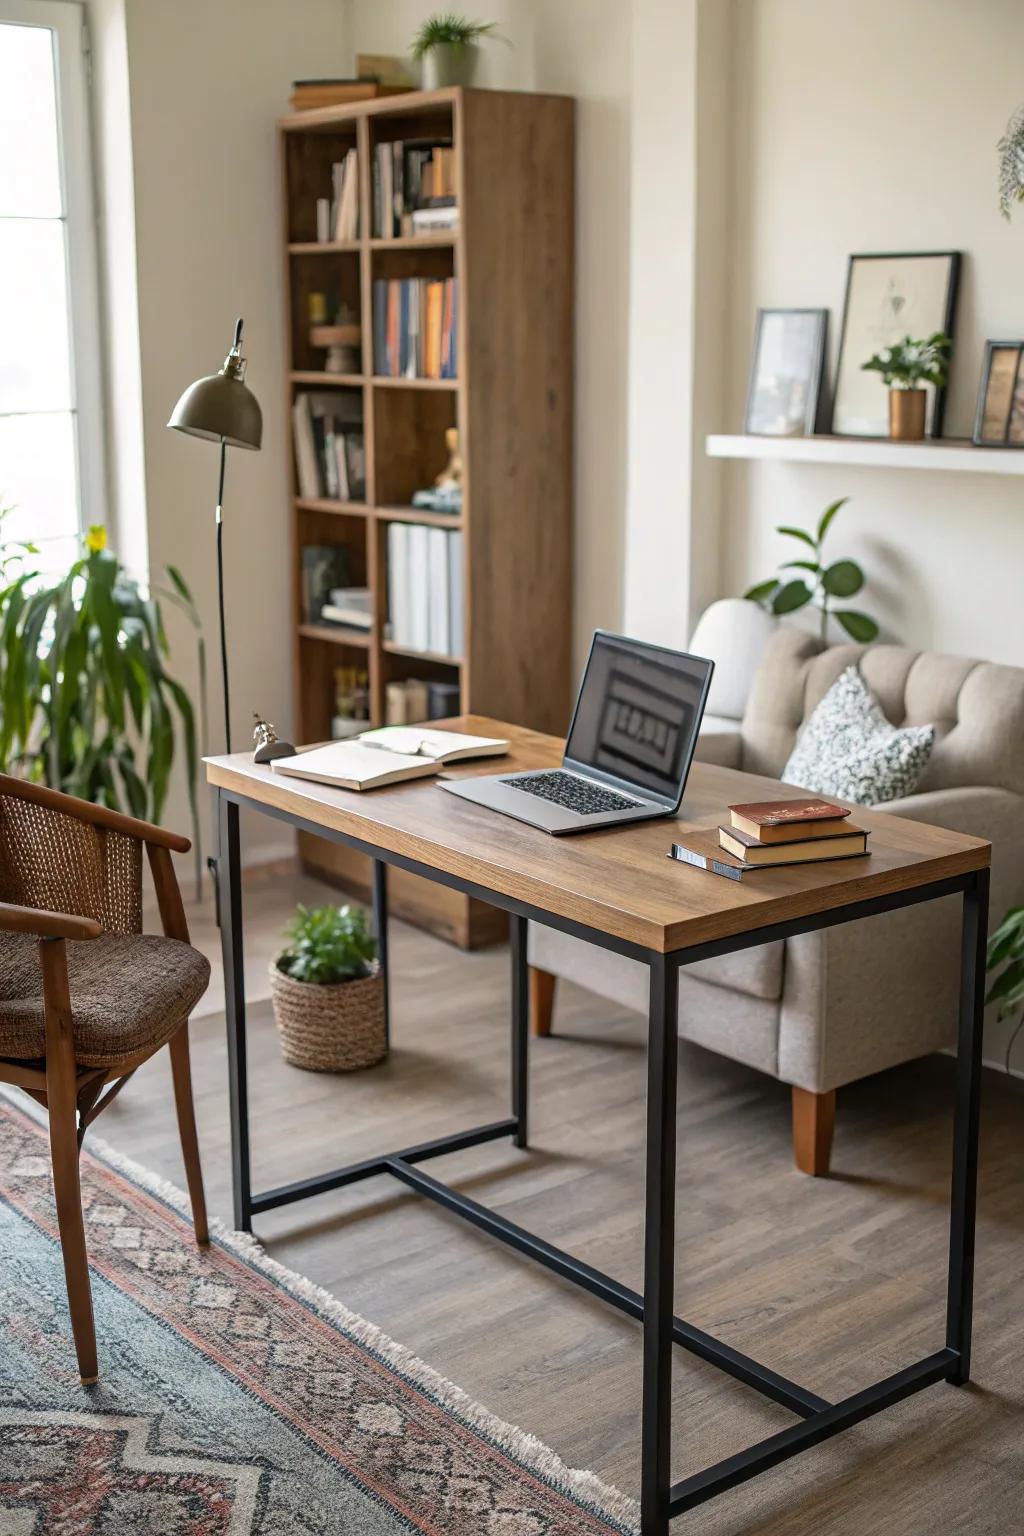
[51, 467]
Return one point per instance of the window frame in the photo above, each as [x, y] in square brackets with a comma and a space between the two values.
[65, 20]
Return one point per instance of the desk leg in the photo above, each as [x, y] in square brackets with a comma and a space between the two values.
[520, 1028]
[659, 1247]
[230, 888]
[964, 1200]
[380, 928]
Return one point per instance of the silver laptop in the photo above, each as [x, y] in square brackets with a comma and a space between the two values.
[629, 748]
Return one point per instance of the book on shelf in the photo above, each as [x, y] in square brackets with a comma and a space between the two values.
[346, 618]
[330, 452]
[425, 588]
[387, 756]
[441, 219]
[780, 821]
[415, 327]
[407, 702]
[702, 849]
[411, 175]
[324, 567]
[308, 94]
[344, 221]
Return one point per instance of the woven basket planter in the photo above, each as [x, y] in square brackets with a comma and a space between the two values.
[335, 1028]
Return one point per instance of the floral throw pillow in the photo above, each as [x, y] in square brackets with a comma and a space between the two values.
[848, 748]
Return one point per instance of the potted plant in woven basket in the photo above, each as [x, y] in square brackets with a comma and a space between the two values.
[328, 992]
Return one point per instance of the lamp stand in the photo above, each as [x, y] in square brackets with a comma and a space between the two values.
[220, 596]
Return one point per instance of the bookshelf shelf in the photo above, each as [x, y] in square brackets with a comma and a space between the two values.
[382, 381]
[322, 380]
[337, 508]
[324, 247]
[435, 656]
[439, 241]
[336, 634]
[515, 423]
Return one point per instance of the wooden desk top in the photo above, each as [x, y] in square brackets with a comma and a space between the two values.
[620, 880]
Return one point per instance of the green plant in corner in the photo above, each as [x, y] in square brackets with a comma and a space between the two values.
[449, 30]
[1011, 164]
[820, 584]
[328, 945]
[86, 702]
[909, 364]
[1006, 950]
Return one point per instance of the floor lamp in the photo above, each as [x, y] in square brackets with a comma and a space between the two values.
[222, 408]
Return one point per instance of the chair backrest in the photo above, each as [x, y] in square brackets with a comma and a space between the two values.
[733, 633]
[53, 861]
[977, 707]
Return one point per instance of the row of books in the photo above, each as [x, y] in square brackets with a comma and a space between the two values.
[425, 588]
[414, 188]
[769, 833]
[337, 216]
[330, 449]
[415, 327]
[415, 699]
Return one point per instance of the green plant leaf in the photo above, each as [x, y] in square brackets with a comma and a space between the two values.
[791, 596]
[843, 579]
[761, 591]
[1007, 939]
[798, 533]
[800, 565]
[1008, 988]
[328, 945]
[857, 625]
[825, 521]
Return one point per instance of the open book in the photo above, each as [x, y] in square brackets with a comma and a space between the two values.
[388, 756]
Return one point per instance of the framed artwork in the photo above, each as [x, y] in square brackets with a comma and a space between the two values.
[785, 372]
[999, 422]
[889, 297]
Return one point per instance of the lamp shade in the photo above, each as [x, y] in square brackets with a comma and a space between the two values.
[222, 408]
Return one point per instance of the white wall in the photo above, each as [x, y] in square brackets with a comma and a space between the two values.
[873, 128]
[206, 83]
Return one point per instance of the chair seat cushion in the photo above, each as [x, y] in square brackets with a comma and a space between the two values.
[129, 993]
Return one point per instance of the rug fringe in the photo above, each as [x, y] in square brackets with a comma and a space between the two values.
[601, 1498]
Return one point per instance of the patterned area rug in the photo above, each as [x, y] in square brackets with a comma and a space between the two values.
[234, 1396]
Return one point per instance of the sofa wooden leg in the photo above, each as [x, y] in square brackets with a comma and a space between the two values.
[814, 1118]
[542, 1000]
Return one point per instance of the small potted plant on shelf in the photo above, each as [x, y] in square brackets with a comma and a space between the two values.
[328, 992]
[906, 367]
[446, 49]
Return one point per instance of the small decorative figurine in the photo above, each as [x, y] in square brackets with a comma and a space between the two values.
[267, 745]
[445, 495]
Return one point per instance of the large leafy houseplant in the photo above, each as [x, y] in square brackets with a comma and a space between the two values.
[820, 583]
[1006, 956]
[87, 704]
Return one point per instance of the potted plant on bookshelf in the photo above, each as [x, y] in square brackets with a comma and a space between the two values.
[446, 49]
[906, 367]
[328, 992]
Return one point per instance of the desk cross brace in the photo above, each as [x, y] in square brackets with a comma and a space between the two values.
[819, 1419]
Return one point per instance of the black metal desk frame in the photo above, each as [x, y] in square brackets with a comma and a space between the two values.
[818, 1419]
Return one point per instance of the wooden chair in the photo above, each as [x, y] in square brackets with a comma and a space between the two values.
[85, 996]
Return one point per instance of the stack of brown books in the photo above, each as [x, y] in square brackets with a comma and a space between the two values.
[772, 832]
[309, 94]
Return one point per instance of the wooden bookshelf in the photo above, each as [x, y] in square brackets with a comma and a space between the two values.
[511, 400]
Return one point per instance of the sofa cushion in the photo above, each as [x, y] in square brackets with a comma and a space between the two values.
[976, 707]
[734, 634]
[848, 748]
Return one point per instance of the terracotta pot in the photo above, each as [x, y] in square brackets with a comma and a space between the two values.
[906, 414]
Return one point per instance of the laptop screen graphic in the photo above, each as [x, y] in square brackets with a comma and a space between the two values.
[637, 715]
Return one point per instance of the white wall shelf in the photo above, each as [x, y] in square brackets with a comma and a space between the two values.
[878, 453]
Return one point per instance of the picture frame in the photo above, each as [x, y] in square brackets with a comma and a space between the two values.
[999, 420]
[890, 295]
[784, 391]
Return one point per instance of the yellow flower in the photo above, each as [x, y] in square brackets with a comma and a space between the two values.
[96, 538]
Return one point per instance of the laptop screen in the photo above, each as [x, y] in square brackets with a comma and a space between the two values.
[638, 714]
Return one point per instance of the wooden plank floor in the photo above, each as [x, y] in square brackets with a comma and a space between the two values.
[834, 1282]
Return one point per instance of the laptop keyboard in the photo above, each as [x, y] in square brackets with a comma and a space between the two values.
[574, 794]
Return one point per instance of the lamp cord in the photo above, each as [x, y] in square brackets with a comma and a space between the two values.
[220, 598]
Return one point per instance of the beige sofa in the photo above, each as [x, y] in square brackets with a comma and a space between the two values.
[827, 1008]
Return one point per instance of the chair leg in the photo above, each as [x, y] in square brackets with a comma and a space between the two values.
[542, 1000]
[62, 1100]
[181, 1071]
[814, 1118]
